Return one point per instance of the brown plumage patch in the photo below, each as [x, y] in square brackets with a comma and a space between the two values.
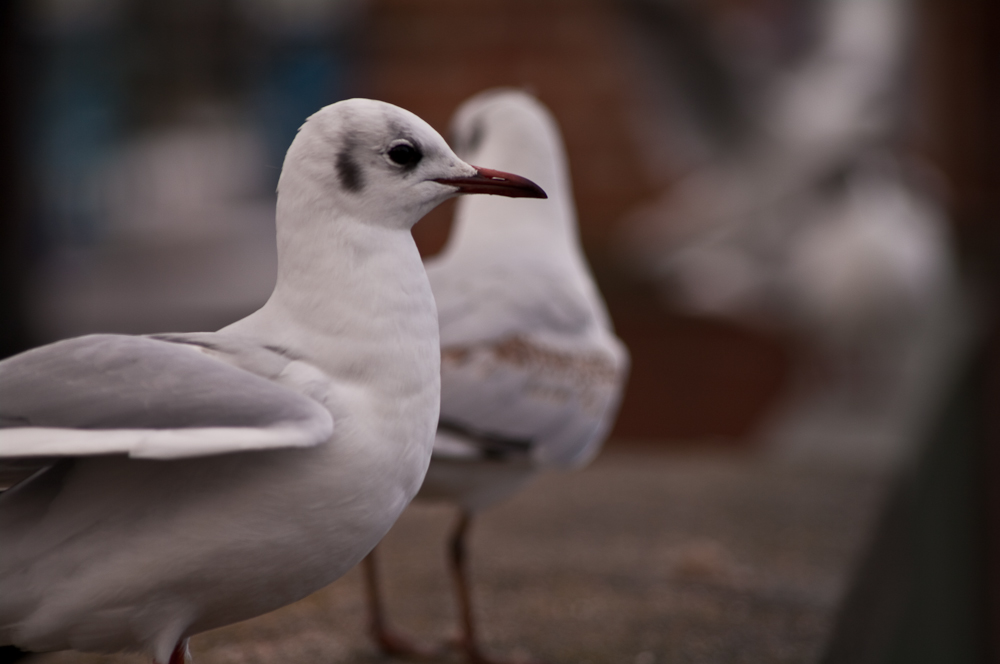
[557, 376]
[519, 351]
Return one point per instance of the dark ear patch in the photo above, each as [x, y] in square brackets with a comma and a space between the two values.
[476, 137]
[348, 171]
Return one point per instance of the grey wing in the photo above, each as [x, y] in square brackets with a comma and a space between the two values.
[148, 398]
[518, 396]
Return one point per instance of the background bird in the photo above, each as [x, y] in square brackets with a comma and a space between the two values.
[531, 371]
[164, 501]
[820, 227]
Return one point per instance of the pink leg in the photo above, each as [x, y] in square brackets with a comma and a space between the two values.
[180, 653]
[388, 641]
[468, 641]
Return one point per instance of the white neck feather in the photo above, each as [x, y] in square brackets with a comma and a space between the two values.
[351, 298]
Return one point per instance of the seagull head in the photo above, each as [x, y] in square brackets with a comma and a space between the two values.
[381, 164]
[510, 129]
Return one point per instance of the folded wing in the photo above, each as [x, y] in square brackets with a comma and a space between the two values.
[155, 398]
[517, 395]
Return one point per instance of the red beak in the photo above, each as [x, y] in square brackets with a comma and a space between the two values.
[488, 181]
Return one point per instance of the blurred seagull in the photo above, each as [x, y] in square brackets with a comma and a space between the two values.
[818, 226]
[182, 482]
[531, 372]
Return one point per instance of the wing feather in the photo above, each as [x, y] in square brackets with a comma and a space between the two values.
[557, 403]
[148, 398]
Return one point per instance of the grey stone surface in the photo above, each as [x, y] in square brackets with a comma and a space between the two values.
[646, 557]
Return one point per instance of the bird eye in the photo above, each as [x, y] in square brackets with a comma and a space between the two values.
[405, 154]
[475, 137]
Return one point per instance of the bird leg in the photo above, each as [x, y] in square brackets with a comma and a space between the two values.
[459, 572]
[467, 640]
[180, 653]
[459, 575]
[389, 641]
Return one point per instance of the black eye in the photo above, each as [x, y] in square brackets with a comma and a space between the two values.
[405, 154]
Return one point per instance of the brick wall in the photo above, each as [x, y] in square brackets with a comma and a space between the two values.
[692, 379]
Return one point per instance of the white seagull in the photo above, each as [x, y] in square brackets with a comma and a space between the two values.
[531, 371]
[184, 482]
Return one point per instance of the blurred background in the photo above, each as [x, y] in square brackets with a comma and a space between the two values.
[789, 205]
